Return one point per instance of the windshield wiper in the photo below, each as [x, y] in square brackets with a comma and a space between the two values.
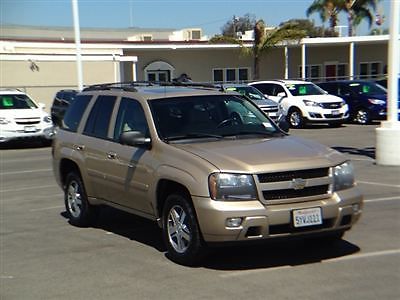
[194, 135]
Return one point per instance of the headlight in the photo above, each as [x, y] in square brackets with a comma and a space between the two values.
[343, 176]
[311, 103]
[47, 119]
[233, 187]
[377, 101]
[4, 121]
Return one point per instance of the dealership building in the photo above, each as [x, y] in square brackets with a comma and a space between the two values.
[42, 60]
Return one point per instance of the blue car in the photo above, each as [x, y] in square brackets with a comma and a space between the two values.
[367, 100]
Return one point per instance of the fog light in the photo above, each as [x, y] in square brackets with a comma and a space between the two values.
[356, 208]
[233, 222]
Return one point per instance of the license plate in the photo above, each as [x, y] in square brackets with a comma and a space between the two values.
[30, 128]
[307, 217]
[335, 112]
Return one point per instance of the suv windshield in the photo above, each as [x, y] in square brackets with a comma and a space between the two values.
[209, 117]
[304, 89]
[366, 88]
[16, 102]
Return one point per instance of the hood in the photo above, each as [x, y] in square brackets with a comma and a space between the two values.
[23, 113]
[261, 155]
[326, 98]
[265, 102]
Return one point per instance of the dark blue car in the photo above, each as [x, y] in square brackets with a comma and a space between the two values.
[366, 99]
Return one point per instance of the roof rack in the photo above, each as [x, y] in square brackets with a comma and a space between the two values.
[130, 85]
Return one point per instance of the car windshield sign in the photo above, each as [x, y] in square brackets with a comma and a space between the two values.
[205, 117]
[304, 89]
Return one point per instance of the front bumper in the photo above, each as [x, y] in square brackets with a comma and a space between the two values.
[21, 133]
[259, 221]
[318, 114]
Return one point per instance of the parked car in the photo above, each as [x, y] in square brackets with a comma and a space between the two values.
[270, 107]
[174, 155]
[22, 118]
[61, 102]
[366, 99]
[304, 102]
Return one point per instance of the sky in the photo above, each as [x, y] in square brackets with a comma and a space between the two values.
[210, 15]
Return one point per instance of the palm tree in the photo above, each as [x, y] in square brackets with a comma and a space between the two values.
[264, 41]
[357, 11]
[327, 9]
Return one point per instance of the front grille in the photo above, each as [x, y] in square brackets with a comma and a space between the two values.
[27, 121]
[287, 176]
[333, 105]
[292, 193]
[329, 116]
[282, 187]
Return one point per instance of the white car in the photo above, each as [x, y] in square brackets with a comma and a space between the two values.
[304, 102]
[23, 118]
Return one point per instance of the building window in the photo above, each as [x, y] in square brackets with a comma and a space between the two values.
[313, 72]
[370, 69]
[231, 74]
[341, 71]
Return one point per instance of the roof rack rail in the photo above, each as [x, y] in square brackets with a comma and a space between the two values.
[130, 85]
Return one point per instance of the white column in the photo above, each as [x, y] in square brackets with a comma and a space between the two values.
[286, 63]
[388, 135]
[134, 75]
[303, 61]
[351, 61]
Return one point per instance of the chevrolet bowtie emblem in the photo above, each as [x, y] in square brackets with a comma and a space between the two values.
[298, 183]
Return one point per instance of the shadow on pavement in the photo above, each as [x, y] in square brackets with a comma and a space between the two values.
[369, 151]
[274, 254]
[31, 144]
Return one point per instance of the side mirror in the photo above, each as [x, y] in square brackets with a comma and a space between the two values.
[42, 105]
[281, 94]
[283, 124]
[135, 139]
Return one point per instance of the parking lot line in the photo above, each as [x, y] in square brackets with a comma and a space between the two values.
[333, 260]
[46, 208]
[26, 171]
[28, 188]
[382, 199]
[378, 183]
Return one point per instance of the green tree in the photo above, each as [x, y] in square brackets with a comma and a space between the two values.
[238, 24]
[311, 30]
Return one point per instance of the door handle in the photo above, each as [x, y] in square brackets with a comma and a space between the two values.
[79, 147]
[112, 155]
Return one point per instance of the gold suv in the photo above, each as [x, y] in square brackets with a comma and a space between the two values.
[208, 166]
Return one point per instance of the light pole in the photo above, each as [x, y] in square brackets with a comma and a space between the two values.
[75, 15]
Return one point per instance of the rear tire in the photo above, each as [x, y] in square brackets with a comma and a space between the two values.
[79, 210]
[181, 232]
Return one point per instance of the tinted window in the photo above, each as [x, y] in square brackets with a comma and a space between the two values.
[304, 89]
[330, 88]
[99, 118]
[130, 118]
[278, 89]
[265, 88]
[75, 112]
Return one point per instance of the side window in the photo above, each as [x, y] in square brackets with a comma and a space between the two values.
[75, 112]
[278, 89]
[265, 88]
[130, 118]
[99, 118]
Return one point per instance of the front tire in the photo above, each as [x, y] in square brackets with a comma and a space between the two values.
[362, 116]
[80, 212]
[295, 118]
[181, 232]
